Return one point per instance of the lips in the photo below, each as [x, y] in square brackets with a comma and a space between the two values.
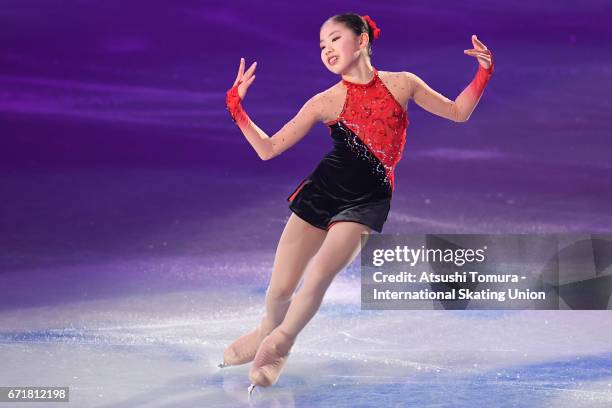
[332, 60]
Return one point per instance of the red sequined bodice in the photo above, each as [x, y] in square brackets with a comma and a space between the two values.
[373, 114]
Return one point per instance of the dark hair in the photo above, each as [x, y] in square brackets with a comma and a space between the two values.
[357, 25]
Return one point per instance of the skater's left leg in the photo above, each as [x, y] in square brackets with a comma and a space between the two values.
[339, 249]
[341, 246]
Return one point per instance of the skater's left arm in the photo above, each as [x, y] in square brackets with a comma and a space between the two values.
[462, 107]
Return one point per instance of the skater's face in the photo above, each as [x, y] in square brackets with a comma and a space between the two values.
[339, 41]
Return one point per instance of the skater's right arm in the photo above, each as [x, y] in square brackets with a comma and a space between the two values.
[294, 130]
[268, 147]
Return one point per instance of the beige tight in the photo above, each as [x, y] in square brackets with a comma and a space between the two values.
[305, 247]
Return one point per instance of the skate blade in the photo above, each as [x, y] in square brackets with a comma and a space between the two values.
[250, 390]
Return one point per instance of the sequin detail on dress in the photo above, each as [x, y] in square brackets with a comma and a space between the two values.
[374, 125]
[354, 181]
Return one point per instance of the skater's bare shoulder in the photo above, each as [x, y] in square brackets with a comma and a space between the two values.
[398, 84]
[333, 98]
[332, 101]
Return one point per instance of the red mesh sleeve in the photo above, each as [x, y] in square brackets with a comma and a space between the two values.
[479, 82]
[234, 107]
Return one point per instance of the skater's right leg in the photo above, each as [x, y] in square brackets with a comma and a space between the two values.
[298, 243]
[341, 246]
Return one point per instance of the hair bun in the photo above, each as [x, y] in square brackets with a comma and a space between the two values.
[372, 24]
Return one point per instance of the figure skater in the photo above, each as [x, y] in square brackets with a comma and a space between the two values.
[350, 189]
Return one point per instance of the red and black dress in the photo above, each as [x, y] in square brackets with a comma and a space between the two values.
[355, 180]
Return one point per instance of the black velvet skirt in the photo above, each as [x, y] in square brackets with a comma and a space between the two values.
[349, 184]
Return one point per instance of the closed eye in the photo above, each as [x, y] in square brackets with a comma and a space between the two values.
[332, 41]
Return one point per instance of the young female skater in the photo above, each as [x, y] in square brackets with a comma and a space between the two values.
[350, 189]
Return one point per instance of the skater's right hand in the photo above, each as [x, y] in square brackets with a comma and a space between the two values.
[244, 79]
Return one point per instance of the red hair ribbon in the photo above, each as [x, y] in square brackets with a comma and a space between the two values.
[372, 25]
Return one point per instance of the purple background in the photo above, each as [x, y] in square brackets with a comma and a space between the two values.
[116, 148]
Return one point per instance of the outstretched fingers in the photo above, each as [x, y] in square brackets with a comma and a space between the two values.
[250, 71]
[245, 77]
[240, 71]
[477, 43]
[476, 53]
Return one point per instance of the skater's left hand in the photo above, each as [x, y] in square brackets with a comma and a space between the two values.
[480, 52]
